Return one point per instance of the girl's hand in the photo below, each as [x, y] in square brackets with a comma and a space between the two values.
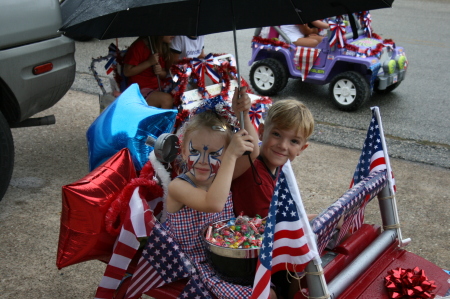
[241, 103]
[154, 59]
[157, 69]
[241, 142]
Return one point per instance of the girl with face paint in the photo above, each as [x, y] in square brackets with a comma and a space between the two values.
[214, 157]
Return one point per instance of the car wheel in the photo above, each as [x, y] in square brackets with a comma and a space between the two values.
[349, 91]
[268, 76]
[388, 89]
[6, 155]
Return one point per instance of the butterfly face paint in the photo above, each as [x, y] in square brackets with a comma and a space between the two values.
[204, 160]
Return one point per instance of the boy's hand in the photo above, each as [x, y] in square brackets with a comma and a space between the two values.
[241, 103]
[240, 143]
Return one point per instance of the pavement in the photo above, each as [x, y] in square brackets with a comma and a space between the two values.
[52, 156]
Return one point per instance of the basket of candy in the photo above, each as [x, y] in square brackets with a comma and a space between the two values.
[232, 247]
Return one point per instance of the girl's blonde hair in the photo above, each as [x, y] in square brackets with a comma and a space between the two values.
[210, 120]
[290, 114]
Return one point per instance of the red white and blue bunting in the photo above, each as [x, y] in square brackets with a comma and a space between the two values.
[221, 71]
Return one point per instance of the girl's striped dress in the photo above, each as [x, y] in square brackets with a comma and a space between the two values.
[185, 225]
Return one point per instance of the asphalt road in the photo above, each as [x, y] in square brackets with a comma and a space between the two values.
[415, 115]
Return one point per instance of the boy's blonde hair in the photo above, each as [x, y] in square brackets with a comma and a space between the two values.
[290, 114]
[211, 120]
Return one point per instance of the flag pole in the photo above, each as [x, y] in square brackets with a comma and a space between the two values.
[317, 284]
[153, 52]
[238, 75]
[390, 180]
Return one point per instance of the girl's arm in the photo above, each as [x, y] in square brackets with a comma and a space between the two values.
[213, 200]
[133, 70]
[158, 70]
[243, 103]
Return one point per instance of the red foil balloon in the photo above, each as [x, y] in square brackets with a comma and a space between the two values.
[83, 235]
[409, 284]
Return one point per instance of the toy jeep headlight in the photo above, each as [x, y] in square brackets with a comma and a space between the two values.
[389, 66]
[401, 61]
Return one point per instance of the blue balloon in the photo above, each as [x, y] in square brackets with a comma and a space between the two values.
[127, 122]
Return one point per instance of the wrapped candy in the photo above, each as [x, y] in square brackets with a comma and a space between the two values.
[241, 232]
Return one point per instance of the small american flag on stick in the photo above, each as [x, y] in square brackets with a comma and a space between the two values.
[372, 158]
[289, 242]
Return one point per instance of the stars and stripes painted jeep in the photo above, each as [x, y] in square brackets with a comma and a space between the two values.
[353, 59]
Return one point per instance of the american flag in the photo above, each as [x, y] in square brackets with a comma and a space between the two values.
[304, 59]
[163, 262]
[372, 159]
[138, 222]
[288, 239]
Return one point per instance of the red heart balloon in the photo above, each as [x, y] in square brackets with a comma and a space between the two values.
[83, 235]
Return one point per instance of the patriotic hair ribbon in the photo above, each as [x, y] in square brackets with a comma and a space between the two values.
[220, 107]
[337, 28]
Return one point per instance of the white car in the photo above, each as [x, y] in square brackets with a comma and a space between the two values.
[37, 68]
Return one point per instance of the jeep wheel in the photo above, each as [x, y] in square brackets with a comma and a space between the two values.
[349, 91]
[388, 89]
[268, 76]
[6, 155]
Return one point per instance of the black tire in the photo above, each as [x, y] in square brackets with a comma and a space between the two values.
[388, 89]
[349, 91]
[6, 155]
[268, 76]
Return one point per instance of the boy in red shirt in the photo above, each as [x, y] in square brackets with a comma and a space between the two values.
[284, 135]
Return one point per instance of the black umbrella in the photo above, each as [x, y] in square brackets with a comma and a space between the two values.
[104, 19]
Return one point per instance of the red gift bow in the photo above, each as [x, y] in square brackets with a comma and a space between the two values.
[409, 284]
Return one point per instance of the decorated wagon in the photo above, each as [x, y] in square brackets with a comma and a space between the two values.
[116, 213]
[352, 58]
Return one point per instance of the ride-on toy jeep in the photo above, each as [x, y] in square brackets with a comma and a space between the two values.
[352, 58]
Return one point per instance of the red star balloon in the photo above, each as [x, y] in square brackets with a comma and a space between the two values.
[83, 235]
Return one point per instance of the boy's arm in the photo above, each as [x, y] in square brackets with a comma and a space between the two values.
[243, 104]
